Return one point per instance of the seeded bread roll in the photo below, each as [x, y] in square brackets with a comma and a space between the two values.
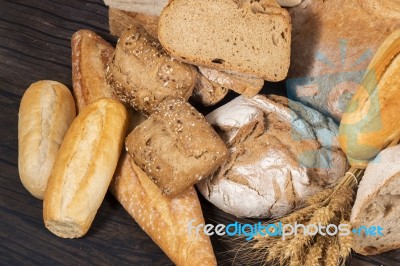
[247, 37]
[176, 147]
[377, 203]
[280, 153]
[46, 111]
[143, 74]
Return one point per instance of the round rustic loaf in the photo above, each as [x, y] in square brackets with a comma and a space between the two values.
[280, 153]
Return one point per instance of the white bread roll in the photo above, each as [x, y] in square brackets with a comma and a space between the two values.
[377, 203]
[46, 111]
[84, 167]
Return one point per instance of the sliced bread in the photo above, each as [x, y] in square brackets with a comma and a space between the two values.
[150, 7]
[246, 37]
[377, 204]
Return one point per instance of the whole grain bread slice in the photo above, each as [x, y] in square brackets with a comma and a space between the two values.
[244, 36]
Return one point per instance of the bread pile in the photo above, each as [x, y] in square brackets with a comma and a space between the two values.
[257, 156]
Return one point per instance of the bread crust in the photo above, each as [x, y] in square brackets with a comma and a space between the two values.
[84, 167]
[372, 120]
[46, 111]
[90, 56]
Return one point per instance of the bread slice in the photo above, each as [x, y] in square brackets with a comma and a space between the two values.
[377, 203]
[150, 7]
[245, 37]
[90, 56]
[242, 84]
[164, 220]
[119, 20]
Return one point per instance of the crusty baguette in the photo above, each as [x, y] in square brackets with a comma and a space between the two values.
[45, 113]
[248, 37]
[84, 167]
[141, 198]
[372, 119]
[377, 203]
[90, 56]
[164, 220]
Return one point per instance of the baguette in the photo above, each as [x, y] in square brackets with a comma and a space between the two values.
[372, 120]
[144, 201]
[84, 167]
[45, 113]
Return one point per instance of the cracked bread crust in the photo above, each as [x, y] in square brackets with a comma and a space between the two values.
[143, 74]
[271, 141]
[176, 147]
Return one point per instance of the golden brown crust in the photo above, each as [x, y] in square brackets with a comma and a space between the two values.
[46, 111]
[164, 220]
[90, 56]
[84, 167]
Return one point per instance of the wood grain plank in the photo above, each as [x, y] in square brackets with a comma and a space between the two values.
[34, 45]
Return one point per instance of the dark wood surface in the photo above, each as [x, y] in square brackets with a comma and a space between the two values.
[35, 45]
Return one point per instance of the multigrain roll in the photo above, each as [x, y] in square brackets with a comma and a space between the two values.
[143, 74]
[176, 147]
[46, 111]
[84, 168]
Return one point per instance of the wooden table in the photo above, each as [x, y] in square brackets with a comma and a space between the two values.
[35, 45]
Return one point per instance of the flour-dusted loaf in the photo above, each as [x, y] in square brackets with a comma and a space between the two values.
[46, 111]
[280, 153]
[143, 74]
[149, 7]
[84, 167]
[176, 147]
[247, 37]
[90, 56]
[242, 84]
[377, 204]
[332, 44]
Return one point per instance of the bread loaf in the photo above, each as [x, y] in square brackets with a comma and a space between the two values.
[143, 74]
[45, 113]
[377, 204]
[372, 119]
[164, 220]
[332, 44]
[84, 167]
[90, 56]
[176, 147]
[247, 37]
[280, 153]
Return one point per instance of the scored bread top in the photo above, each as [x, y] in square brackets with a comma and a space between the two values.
[251, 38]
